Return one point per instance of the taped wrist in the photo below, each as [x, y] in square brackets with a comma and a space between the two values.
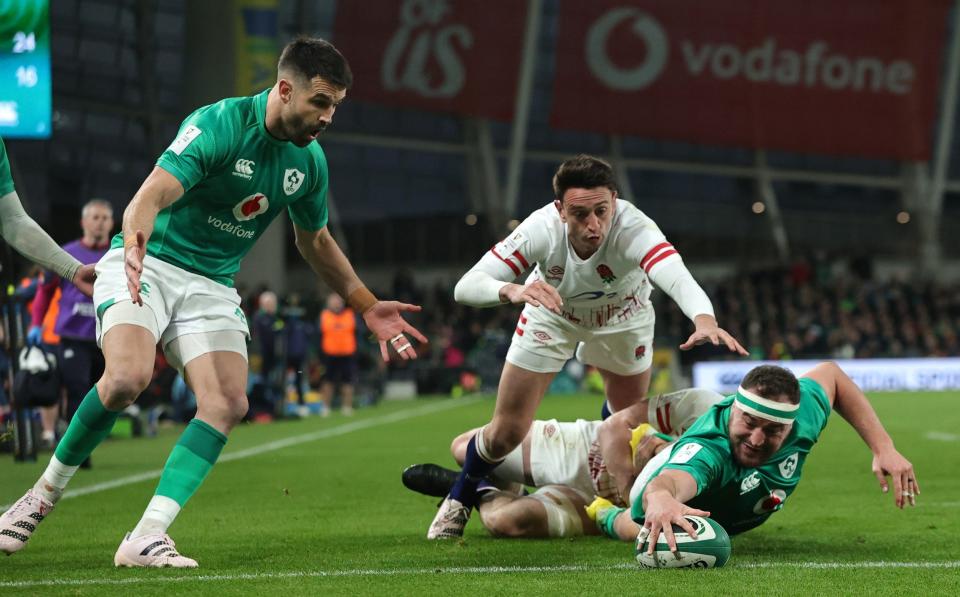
[606, 520]
[361, 300]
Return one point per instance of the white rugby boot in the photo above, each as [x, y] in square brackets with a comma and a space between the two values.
[150, 551]
[450, 520]
[19, 522]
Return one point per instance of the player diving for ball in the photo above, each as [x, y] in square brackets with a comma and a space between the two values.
[562, 460]
[740, 462]
[168, 278]
[594, 259]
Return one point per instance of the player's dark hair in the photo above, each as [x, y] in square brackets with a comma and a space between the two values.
[582, 172]
[314, 57]
[772, 382]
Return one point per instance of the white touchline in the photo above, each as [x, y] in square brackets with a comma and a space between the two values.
[277, 445]
[433, 571]
[940, 436]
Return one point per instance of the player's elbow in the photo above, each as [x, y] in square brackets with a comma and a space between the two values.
[460, 291]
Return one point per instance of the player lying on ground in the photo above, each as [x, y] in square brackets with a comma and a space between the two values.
[24, 235]
[594, 259]
[563, 461]
[234, 166]
[740, 462]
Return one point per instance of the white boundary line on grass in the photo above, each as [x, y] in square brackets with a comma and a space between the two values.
[279, 444]
[941, 436]
[20, 584]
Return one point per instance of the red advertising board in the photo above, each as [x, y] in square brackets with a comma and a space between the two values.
[857, 77]
[458, 56]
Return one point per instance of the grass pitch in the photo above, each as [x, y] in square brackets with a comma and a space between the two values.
[316, 507]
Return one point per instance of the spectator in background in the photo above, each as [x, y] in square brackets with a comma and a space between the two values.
[80, 359]
[296, 341]
[266, 330]
[338, 344]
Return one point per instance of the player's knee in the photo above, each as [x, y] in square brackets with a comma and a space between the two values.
[120, 388]
[503, 439]
[458, 447]
[505, 522]
[226, 409]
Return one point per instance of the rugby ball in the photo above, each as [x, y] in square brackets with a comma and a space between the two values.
[711, 548]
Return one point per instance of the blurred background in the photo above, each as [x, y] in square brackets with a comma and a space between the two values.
[802, 157]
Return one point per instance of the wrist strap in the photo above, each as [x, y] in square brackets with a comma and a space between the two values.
[361, 299]
[605, 521]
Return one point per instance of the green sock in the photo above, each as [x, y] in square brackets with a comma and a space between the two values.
[190, 461]
[89, 426]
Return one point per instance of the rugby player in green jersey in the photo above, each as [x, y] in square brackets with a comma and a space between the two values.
[24, 235]
[741, 460]
[168, 278]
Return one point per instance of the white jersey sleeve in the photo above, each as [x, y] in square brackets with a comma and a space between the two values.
[648, 247]
[504, 262]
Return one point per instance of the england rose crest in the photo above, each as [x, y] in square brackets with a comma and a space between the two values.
[605, 273]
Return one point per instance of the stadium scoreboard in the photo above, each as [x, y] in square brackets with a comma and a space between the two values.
[25, 86]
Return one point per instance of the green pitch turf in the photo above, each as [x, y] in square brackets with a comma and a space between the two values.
[325, 513]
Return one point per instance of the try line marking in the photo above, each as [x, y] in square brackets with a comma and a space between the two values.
[279, 444]
[202, 578]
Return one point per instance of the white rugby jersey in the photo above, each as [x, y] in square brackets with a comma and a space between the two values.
[611, 286]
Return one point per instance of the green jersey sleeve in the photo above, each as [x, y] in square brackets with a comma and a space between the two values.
[6, 180]
[310, 211]
[203, 145]
[704, 459]
[819, 414]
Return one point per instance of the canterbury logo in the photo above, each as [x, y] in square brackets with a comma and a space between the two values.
[244, 168]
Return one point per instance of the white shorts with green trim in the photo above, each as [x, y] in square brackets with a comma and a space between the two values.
[187, 313]
[543, 342]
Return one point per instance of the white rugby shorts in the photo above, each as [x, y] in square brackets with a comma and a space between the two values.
[558, 455]
[187, 313]
[543, 342]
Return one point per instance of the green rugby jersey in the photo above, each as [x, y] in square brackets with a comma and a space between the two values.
[6, 180]
[236, 179]
[736, 497]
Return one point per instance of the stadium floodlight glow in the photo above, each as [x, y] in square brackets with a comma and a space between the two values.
[471, 219]
[903, 217]
[758, 207]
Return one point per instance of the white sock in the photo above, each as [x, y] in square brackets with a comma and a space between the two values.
[54, 479]
[157, 518]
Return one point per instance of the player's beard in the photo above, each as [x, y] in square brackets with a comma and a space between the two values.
[748, 457]
[303, 133]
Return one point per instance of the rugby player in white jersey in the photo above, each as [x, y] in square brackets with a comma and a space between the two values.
[168, 277]
[563, 461]
[594, 258]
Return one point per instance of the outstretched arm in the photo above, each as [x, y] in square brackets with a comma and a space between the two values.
[850, 402]
[663, 507]
[29, 239]
[675, 279]
[321, 251]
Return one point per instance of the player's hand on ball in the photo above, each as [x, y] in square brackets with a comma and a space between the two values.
[905, 486]
[384, 320]
[708, 331]
[134, 251]
[538, 294]
[662, 511]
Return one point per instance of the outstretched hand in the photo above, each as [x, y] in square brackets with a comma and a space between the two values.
[84, 278]
[708, 331]
[386, 323]
[661, 513]
[891, 463]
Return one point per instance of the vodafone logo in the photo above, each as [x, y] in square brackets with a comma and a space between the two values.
[812, 64]
[251, 207]
[646, 28]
